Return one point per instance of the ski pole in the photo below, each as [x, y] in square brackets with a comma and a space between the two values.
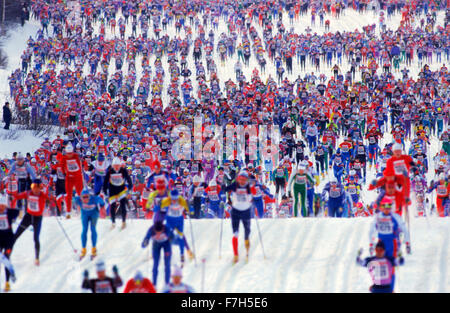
[192, 236]
[260, 237]
[65, 234]
[221, 232]
[203, 275]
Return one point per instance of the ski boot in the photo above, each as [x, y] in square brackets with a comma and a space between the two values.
[190, 254]
[7, 287]
[247, 248]
[123, 225]
[68, 216]
[113, 225]
[83, 253]
[93, 252]
[182, 260]
[36, 262]
[235, 259]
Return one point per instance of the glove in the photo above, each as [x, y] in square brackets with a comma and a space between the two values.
[360, 251]
[145, 243]
[408, 248]
[86, 274]
[373, 182]
[371, 249]
[115, 270]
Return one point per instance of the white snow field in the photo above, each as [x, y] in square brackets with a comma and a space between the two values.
[312, 255]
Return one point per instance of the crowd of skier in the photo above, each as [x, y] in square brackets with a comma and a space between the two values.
[94, 76]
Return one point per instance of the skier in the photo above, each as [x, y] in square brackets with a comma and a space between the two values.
[336, 197]
[240, 196]
[154, 200]
[72, 170]
[103, 283]
[89, 206]
[36, 200]
[161, 236]
[7, 217]
[386, 227]
[177, 286]
[300, 180]
[381, 268]
[139, 284]
[116, 186]
[176, 206]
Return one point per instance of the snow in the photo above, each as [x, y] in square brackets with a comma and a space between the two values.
[302, 255]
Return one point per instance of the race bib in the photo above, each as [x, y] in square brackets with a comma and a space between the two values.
[441, 190]
[4, 224]
[344, 148]
[379, 270]
[241, 195]
[21, 172]
[352, 190]
[72, 166]
[335, 192]
[116, 179]
[103, 287]
[213, 196]
[400, 167]
[13, 186]
[385, 226]
[60, 174]
[33, 204]
[175, 210]
[300, 179]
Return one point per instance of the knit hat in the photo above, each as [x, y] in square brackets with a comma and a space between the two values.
[100, 266]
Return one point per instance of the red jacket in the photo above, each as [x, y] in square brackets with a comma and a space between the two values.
[71, 166]
[145, 287]
[36, 204]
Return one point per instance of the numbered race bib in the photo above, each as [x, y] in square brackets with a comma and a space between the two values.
[116, 179]
[213, 196]
[280, 172]
[385, 226]
[103, 287]
[13, 186]
[145, 194]
[335, 192]
[441, 190]
[72, 166]
[33, 204]
[161, 237]
[4, 224]
[175, 210]
[352, 190]
[300, 179]
[380, 270]
[21, 172]
[344, 149]
[60, 174]
[241, 195]
[88, 207]
[371, 140]
[399, 167]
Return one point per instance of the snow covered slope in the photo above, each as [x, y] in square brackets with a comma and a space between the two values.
[303, 255]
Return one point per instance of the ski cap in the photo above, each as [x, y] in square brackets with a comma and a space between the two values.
[196, 179]
[138, 276]
[174, 194]
[100, 266]
[69, 148]
[177, 272]
[116, 161]
[380, 244]
[397, 146]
